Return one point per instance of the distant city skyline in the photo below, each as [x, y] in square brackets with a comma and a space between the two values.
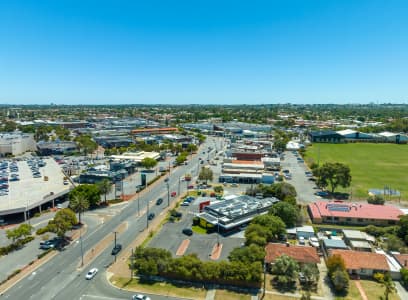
[203, 52]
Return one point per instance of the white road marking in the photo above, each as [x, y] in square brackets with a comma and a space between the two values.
[99, 297]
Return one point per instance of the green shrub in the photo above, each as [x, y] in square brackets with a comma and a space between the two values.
[42, 230]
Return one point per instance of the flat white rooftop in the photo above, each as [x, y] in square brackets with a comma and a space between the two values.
[31, 192]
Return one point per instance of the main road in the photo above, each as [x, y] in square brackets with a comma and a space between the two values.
[60, 279]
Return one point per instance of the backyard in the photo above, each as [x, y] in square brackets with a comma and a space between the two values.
[373, 166]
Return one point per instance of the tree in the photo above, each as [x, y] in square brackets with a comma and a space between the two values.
[335, 262]
[205, 174]
[9, 126]
[86, 144]
[280, 145]
[282, 190]
[404, 277]
[265, 227]
[192, 148]
[247, 254]
[15, 234]
[286, 211]
[105, 187]
[334, 175]
[63, 221]
[78, 203]
[340, 280]
[376, 199]
[148, 162]
[90, 192]
[285, 270]
[218, 189]
[389, 286]
[403, 228]
[311, 275]
[181, 158]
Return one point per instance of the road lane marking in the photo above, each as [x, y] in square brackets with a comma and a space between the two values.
[99, 297]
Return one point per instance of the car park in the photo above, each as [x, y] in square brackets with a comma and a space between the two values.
[151, 216]
[187, 231]
[116, 249]
[159, 201]
[91, 273]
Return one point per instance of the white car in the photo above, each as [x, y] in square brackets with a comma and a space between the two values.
[140, 297]
[91, 274]
[313, 241]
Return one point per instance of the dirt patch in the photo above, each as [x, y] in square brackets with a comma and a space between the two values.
[183, 247]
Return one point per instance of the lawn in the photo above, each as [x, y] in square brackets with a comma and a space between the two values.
[161, 288]
[374, 290]
[353, 293]
[371, 165]
[229, 295]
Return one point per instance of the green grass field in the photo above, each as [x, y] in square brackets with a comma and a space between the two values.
[371, 165]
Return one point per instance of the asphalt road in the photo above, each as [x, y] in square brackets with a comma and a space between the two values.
[60, 279]
[304, 187]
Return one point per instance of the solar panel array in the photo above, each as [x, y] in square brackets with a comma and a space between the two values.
[338, 207]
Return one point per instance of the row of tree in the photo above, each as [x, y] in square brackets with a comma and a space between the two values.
[159, 262]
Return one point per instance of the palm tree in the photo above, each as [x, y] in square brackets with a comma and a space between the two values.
[105, 187]
[79, 203]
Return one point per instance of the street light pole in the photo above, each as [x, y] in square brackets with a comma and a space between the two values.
[147, 215]
[115, 232]
[82, 249]
[179, 186]
[168, 194]
[138, 203]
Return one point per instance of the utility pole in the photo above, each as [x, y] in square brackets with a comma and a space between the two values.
[82, 249]
[138, 203]
[147, 215]
[168, 194]
[264, 281]
[131, 264]
[115, 232]
[179, 186]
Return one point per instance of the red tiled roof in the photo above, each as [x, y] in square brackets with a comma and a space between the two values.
[355, 260]
[343, 209]
[302, 254]
[402, 259]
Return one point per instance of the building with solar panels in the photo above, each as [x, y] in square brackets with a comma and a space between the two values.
[230, 214]
[340, 212]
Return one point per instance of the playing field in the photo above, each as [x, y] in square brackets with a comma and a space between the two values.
[371, 165]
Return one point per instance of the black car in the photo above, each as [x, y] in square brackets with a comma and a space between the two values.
[151, 216]
[159, 201]
[187, 231]
[116, 249]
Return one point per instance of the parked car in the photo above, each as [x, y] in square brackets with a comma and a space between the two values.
[313, 241]
[234, 185]
[185, 203]
[151, 216]
[173, 194]
[116, 249]
[301, 240]
[159, 201]
[91, 273]
[47, 245]
[187, 231]
[322, 194]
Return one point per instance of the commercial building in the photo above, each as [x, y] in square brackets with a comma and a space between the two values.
[230, 214]
[56, 148]
[340, 212]
[136, 156]
[148, 131]
[326, 136]
[16, 143]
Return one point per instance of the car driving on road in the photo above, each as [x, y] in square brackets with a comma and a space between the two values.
[91, 273]
[116, 249]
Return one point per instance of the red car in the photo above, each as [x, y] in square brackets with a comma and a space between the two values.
[173, 194]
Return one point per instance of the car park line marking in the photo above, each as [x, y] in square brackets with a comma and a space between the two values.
[183, 247]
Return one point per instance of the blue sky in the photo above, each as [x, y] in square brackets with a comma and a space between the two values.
[225, 52]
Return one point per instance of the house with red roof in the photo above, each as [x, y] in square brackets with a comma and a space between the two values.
[301, 254]
[363, 263]
[341, 212]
